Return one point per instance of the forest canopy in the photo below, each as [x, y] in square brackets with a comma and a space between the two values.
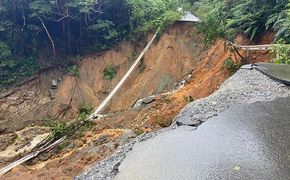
[53, 30]
[226, 18]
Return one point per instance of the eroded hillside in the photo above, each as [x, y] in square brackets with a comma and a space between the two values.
[165, 64]
[178, 56]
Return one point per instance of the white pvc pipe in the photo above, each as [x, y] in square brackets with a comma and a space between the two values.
[104, 103]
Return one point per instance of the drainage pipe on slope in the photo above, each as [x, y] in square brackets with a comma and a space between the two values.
[95, 114]
[30, 156]
[104, 103]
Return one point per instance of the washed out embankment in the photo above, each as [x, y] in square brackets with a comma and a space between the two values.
[166, 63]
[179, 45]
[246, 86]
[88, 149]
[185, 52]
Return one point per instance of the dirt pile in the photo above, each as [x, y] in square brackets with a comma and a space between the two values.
[16, 144]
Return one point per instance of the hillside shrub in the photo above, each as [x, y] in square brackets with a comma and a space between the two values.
[84, 111]
[282, 54]
[13, 71]
[73, 70]
[110, 72]
[230, 65]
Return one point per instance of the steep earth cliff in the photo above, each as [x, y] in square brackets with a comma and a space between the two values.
[178, 56]
[165, 64]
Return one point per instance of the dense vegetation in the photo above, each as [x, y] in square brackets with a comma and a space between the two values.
[57, 30]
[226, 18]
[54, 30]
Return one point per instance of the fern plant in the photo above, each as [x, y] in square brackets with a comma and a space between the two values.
[250, 17]
[280, 23]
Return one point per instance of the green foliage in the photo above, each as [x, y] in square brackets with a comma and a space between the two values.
[104, 33]
[280, 22]
[58, 129]
[282, 54]
[84, 111]
[12, 71]
[230, 65]
[5, 52]
[40, 8]
[150, 14]
[248, 16]
[226, 18]
[26, 25]
[73, 70]
[110, 72]
[212, 24]
[74, 129]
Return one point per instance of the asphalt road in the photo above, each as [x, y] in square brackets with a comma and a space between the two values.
[244, 142]
[278, 72]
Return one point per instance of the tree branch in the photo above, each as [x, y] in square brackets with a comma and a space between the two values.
[49, 36]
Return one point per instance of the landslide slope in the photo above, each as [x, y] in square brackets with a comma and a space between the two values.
[178, 53]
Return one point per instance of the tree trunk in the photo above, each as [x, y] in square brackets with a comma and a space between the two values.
[49, 36]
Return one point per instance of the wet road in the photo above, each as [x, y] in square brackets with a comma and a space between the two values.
[279, 72]
[244, 142]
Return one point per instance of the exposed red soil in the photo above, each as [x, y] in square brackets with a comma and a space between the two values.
[208, 73]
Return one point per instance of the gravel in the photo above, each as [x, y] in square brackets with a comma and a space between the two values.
[246, 86]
